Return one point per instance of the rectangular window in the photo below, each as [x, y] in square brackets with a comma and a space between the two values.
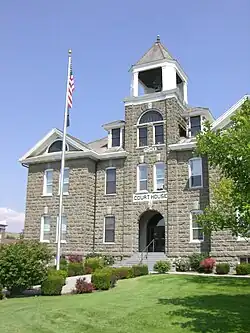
[159, 176]
[45, 229]
[159, 134]
[142, 175]
[63, 229]
[110, 181]
[195, 125]
[143, 136]
[245, 260]
[48, 182]
[116, 137]
[109, 229]
[195, 173]
[197, 234]
[65, 182]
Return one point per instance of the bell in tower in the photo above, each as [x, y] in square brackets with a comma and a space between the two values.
[157, 71]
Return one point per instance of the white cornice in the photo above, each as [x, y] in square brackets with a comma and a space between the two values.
[182, 146]
[224, 119]
[52, 157]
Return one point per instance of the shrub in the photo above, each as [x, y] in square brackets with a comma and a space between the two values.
[63, 264]
[75, 269]
[207, 265]
[52, 285]
[195, 260]
[1, 292]
[123, 273]
[83, 287]
[103, 279]
[222, 268]
[139, 270]
[92, 264]
[108, 260]
[61, 272]
[243, 269]
[73, 258]
[182, 265]
[23, 265]
[162, 266]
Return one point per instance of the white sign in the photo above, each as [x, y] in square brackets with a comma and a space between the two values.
[144, 197]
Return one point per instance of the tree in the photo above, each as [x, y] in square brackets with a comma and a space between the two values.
[228, 150]
[23, 265]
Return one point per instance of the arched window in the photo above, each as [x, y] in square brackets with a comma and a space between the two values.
[150, 117]
[56, 146]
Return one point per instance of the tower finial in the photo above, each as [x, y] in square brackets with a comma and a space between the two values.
[158, 39]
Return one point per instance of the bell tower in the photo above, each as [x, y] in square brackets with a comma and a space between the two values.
[157, 71]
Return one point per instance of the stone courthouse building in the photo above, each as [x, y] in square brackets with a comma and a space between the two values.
[139, 188]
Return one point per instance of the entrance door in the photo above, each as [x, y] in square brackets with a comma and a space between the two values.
[156, 232]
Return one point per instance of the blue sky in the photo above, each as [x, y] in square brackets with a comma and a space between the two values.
[210, 39]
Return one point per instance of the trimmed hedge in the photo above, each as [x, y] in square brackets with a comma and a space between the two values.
[75, 269]
[61, 272]
[103, 279]
[108, 260]
[52, 285]
[195, 260]
[139, 270]
[162, 266]
[1, 292]
[243, 269]
[222, 268]
[92, 264]
[123, 272]
[83, 287]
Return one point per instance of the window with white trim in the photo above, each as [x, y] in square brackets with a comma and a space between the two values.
[116, 137]
[45, 228]
[195, 172]
[159, 176]
[48, 182]
[110, 186]
[56, 146]
[158, 134]
[143, 136]
[142, 178]
[195, 125]
[63, 229]
[197, 234]
[109, 229]
[65, 182]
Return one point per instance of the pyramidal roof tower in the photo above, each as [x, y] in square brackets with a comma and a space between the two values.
[158, 72]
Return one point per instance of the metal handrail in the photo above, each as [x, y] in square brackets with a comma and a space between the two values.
[146, 249]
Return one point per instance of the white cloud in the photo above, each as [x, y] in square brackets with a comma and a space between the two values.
[15, 220]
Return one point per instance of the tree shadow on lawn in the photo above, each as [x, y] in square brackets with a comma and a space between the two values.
[212, 313]
[218, 281]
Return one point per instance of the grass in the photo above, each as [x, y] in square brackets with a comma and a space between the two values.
[150, 304]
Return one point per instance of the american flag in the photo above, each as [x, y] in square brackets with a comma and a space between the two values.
[71, 87]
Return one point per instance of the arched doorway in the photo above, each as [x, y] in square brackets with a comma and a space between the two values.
[152, 231]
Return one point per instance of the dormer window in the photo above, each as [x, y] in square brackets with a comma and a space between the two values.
[116, 137]
[195, 125]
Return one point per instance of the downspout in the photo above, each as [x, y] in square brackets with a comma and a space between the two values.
[95, 190]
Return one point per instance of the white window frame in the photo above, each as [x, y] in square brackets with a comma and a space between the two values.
[190, 172]
[110, 137]
[56, 152]
[192, 240]
[157, 124]
[105, 186]
[104, 229]
[45, 183]
[138, 137]
[155, 176]
[67, 183]
[42, 240]
[139, 180]
[189, 124]
[63, 241]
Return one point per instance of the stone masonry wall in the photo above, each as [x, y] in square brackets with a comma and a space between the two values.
[78, 205]
[224, 246]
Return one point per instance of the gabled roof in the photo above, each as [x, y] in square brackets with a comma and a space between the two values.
[224, 119]
[155, 53]
[49, 138]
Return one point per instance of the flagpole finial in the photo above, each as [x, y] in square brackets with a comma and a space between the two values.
[70, 51]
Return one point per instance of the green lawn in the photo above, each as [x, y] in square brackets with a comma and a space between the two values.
[150, 304]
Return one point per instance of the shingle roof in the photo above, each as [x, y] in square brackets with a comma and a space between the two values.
[155, 53]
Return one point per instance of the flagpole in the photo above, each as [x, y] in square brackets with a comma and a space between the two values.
[59, 224]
